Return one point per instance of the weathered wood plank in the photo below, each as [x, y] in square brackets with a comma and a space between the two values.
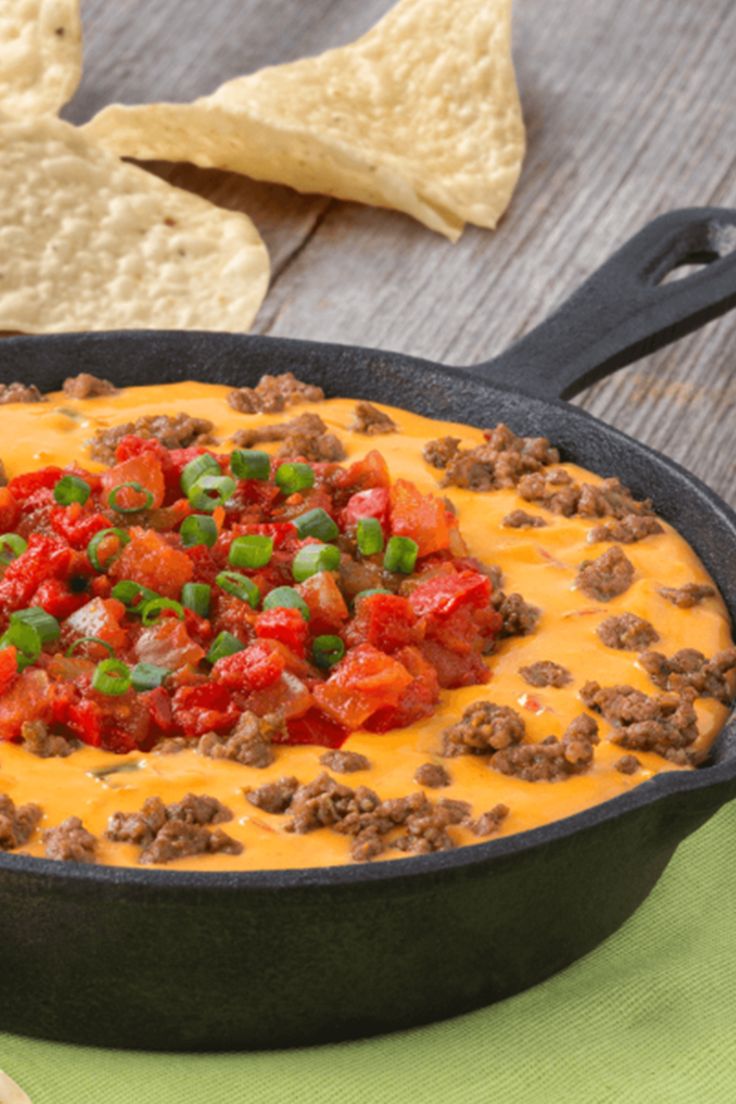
[630, 113]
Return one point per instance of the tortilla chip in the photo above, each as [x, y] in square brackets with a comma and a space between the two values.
[422, 114]
[40, 55]
[91, 243]
[10, 1092]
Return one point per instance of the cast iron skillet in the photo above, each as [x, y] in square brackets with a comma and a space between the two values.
[167, 960]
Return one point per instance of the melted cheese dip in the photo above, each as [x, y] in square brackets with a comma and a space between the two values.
[539, 563]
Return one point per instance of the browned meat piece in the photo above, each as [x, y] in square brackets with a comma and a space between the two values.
[554, 490]
[610, 499]
[70, 842]
[456, 811]
[274, 797]
[432, 775]
[663, 723]
[306, 436]
[20, 392]
[553, 759]
[609, 575]
[139, 828]
[325, 803]
[689, 595]
[366, 845]
[249, 742]
[690, 668]
[273, 394]
[179, 838]
[627, 632]
[483, 728]
[199, 809]
[501, 461]
[17, 823]
[177, 431]
[520, 519]
[172, 745]
[344, 762]
[440, 452]
[167, 832]
[519, 617]
[426, 831]
[39, 741]
[628, 530]
[370, 420]
[627, 764]
[85, 386]
[489, 822]
[546, 673]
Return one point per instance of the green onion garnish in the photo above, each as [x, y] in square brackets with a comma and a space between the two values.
[327, 651]
[89, 640]
[97, 540]
[367, 593]
[196, 597]
[147, 676]
[250, 464]
[294, 477]
[313, 559]
[316, 523]
[370, 536]
[112, 498]
[232, 582]
[111, 677]
[26, 640]
[211, 491]
[195, 469]
[71, 488]
[133, 595]
[252, 551]
[401, 555]
[286, 598]
[198, 529]
[12, 546]
[47, 627]
[152, 610]
[224, 644]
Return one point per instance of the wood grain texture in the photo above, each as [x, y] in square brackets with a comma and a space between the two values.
[630, 112]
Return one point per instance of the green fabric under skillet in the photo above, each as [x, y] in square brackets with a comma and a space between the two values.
[648, 1018]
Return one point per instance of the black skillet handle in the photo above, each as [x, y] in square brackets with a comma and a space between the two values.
[623, 311]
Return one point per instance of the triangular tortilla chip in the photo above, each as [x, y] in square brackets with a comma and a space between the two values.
[40, 55]
[91, 243]
[421, 114]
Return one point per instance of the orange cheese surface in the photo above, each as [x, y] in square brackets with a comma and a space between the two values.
[541, 564]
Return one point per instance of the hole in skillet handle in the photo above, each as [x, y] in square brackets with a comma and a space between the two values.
[720, 243]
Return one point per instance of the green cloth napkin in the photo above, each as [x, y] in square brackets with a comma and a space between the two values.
[649, 1017]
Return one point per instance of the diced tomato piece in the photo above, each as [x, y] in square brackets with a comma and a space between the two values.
[286, 625]
[167, 644]
[57, 599]
[144, 469]
[288, 696]
[158, 704]
[364, 681]
[384, 620]
[23, 486]
[417, 701]
[371, 471]
[27, 699]
[45, 558]
[206, 708]
[76, 525]
[149, 560]
[100, 617]
[372, 503]
[419, 516]
[9, 510]
[313, 727]
[326, 604]
[443, 594]
[453, 669]
[119, 723]
[233, 615]
[199, 628]
[282, 533]
[256, 667]
[35, 515]
[8, 667]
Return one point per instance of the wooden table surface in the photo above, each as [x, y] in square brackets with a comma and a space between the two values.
[630, 110]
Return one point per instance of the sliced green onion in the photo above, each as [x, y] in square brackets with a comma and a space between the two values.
[252, 551]
[327, 651]
[224, 644]
[147, 676]
[370, 536]
[112, 498]
[195, 469]
[12, 546]
[250, 464]
[313, 559]
[196, 597]
[211, 491]
[286, 598]
[25, 639]
[294, 477]
[232, 582]
[152, 610]
[316, 523]
[198, 529]
[47, 627]
[97, 540]
[367, 593]
[133, 595]
[71, 488]
[401, 555]
[89, 640]
[111, 677]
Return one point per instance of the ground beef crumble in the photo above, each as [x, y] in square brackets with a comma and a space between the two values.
[546, 673]
[20, 392]
[432, 775]
[249, 742]
[441, 451]
[690, 668]
[86, 386]
[37, 739]
[607, 576]
[370, 420]
[344, 762]
[558, 492]
[630, 529]
[306, 436]
[520, 519]
[627, 764]
[663, 723]
[501, 461]
[17, 822]
[627, 632]
[70, 842]
[687, 596]
[173, 431]
[483, 728]
[552, 759]
[519, 618]
[274, 797]
[272, 394]
[167, 832]
[489, 822]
